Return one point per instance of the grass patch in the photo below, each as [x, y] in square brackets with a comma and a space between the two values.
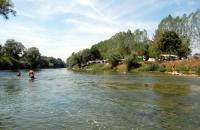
[182, 68]
[97, 68]
[198, 70]
[152, 67]
[142, 68]
[122, 68]
[162, 68]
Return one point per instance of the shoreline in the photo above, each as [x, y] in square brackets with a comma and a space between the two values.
[181, 74]
[90, 70]
[180, 67]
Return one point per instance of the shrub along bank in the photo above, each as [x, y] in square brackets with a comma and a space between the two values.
[181, 66]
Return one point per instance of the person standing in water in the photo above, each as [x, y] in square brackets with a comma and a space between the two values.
[31, 73]
[174, 69]
[18, 73]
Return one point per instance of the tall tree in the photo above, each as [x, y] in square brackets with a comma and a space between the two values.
[186, 25]
[114, 58]
[153, 49]
[6, 7]
[1, 50]
[33, 56]
[13, 48]
[95, 54]
[171, 43]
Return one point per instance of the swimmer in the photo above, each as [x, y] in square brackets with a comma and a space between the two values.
[31, 73]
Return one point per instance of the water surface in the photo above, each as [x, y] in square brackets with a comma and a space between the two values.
[60, 99]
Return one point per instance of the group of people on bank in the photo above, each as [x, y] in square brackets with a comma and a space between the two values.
[31, 74]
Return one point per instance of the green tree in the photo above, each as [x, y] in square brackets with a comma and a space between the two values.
[6, 7]
[184, 50]
[171, 43]
[51, 62]
[7, 62]
[14, 49]
[33, 56]
[44, 62]
[153, 50]
[118, 47]
[73, 60]
[59, 63]
[114, 59]
[95, 54]
[85, 55]
[132, 62]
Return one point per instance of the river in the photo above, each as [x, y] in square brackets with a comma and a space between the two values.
[63, 100]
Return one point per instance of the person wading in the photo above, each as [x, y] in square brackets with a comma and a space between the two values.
[174, 69]
[18, 73]
[31, 73]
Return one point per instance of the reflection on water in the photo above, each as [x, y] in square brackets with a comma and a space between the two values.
[172, 89]
[59, 99]
[172, 106]
[12, 89]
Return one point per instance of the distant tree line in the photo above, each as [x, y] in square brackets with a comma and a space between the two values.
[14, 55]
[129, 46]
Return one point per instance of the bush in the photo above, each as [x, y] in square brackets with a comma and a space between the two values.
[143, 67]
[182, 67]
[132, 63]
[162, 69]
[7, 62]
[198, 70]
[114, 59]
[152, 67]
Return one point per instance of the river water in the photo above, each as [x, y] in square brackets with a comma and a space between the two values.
[63, 100]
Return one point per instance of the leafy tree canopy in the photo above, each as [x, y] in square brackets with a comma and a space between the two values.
[117, 47]
[171, 43]
[33, 56]
[6, 8]
[14, 48]
[13, 55]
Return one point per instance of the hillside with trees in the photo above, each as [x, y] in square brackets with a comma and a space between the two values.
[130, 47]
[120, 46]
[14, 55]
[174, 36]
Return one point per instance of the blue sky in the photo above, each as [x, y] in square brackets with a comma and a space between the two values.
[60, 27]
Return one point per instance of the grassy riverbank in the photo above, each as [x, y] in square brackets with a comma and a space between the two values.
[188, 67]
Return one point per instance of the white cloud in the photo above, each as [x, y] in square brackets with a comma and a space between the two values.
[86, 2]
[30, 35]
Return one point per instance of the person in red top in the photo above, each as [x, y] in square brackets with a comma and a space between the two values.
[31, 73]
